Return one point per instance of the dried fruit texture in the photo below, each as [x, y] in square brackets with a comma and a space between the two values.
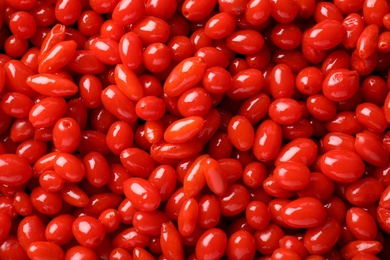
[194, 129]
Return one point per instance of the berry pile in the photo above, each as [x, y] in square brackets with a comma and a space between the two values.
[194, 129]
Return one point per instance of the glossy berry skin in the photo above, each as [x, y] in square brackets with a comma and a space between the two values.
[308, 80]
[342, 165]
[15, 170]
[85, 57]
[361, 224]
[163, 178]
[47, 111]
[257, 12]
[285, 111]
[187, 218]
[363, 246]
[110, 219]
[300, 213]
[194, 180]
[52, 85]
[16, 104]
[46, 202]
[66, 135]
[82, 251]
[216, 178]
[209, 212]
[364, 191]
[384, 199]
[344, 122]
[326, 34]
[381, 216]
[215, 237]
[284, 11]
[267, 239]
[184, 129]
[245, 41]
[126, 13]
[120, 253]
[246, 83]
[88, 231]
[67, 11]
[302, 150]
[177, 151]
[157, 57]
[258, 215]
[161, 9]
[51, 181]
[58, 231]
[341, 84]
[106, 50]
[22, 204]
[268, 138]
[30, 229]
[367, 42]
[286, 37]
[292, 175]
[217, 80]
[96, 169]
[241, 245]
[320, 187]
[130, 57]
[255, 107]
[171, 242]
[374, 13]
[142, 194]
[58, 57]
[336, 60]
[68, 167]
[376, 122]
[220, 25]
[6, 219]
[56, 35]
[195, 11]
[151, 29]
[12, 248]
[150, 108]
[321, 107]
[130, 238]
[124, 110]
[16, 74]
[22, 24]
[229, 202]
[281, 81]
[371, 150]
[40, 249]
[292, 243]
[137, 161]
[89, 23]
[184, 76]
[320, 239]
[194, 102]
[119, 137]
[127, 81]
